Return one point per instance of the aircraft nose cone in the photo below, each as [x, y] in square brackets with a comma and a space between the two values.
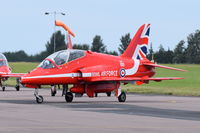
[26, 79]
[23, 80]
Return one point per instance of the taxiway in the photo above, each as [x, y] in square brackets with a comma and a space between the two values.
[140, 113]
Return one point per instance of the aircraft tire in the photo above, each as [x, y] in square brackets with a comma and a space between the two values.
[39, 99]
[53, 93]
[108, 94]
[3, 88]
[69, 97]
[17, 87]
[122, 97]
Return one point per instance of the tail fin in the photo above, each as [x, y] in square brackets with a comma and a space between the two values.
[137, 49]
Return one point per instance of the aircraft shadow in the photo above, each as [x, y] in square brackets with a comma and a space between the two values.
[127, 109]
[117, 108]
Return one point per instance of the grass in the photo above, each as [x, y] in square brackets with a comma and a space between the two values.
[20, 67]
[190, 86]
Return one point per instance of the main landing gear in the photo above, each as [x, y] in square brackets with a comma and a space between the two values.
[39, 99]
[3, 88]
[65, 89]
[53, 90]
[69, 97]
[2, 84]
[122, 97]
[108, 94]
[17, 87]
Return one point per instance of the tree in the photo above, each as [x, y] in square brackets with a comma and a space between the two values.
[112, 53]
[160, 55]
[151, 52]
[179, 53]
[16, 56]
[168, 56]
[193, 49]
[59, 42]
[97, 45]
[125, 40]
[41, 56]
[81, 46]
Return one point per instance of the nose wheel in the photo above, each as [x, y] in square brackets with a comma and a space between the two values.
[39, 98]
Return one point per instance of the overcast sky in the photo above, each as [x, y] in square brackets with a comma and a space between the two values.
[24, 26]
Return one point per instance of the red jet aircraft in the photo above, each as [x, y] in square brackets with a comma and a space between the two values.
[5, 73]
[92, 73]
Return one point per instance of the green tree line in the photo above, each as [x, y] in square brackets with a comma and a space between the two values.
[184, 52]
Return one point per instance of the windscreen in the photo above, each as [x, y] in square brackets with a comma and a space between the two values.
[3, 63]
[75, 55]
[61, 57]
[46, 64]
[3, 60]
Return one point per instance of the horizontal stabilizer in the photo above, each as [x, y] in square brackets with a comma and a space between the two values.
[166, 67]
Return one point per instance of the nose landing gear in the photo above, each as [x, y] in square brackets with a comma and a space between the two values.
[39, 99]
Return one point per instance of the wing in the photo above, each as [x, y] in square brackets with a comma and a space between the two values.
[16, 75]
[143, 79]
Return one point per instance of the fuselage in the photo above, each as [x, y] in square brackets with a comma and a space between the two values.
[84, 68]
[4, 68]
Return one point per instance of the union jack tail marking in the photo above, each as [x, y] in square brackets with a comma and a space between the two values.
[137, 48]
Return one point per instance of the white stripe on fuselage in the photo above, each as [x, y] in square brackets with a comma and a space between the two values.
[54, 76]
[134, 69]
[60, 75]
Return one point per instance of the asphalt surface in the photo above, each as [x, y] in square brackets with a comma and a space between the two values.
[19, 113]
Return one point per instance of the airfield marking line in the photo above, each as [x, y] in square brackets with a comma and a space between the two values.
[99, 127]
[172, 101]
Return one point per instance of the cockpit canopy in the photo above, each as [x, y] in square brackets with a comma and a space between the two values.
[61, 57]
[3, 60]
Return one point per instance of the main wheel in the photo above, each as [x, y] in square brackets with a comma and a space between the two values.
[3, 88]
[108, 94]
[122, 97]
[69, 97]
[39, 99]
[17, 87]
